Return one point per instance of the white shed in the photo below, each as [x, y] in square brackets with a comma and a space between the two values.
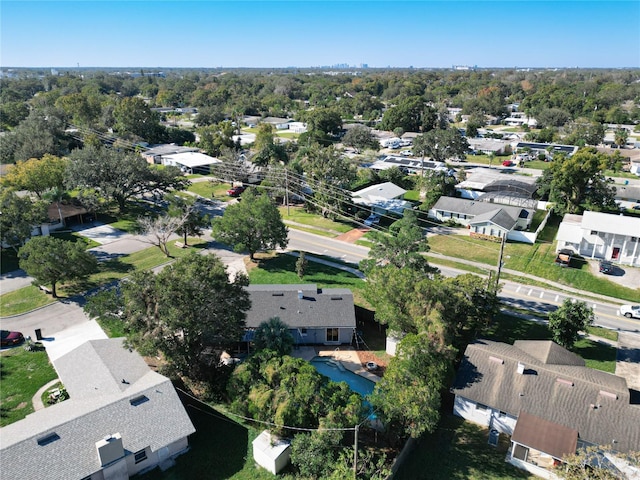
[271, 452]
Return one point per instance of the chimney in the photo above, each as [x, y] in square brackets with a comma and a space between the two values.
[521, 368]
[110, 449]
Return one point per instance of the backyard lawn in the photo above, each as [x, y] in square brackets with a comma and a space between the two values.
[458, 450]
[23, 373]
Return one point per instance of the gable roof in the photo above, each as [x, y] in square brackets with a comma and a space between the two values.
[594, 403]
[498, 217]
[474, 208]
[385, 191]
[549, 352]
[610, 223]
[318, 308]
[100, 408]
[548, 437]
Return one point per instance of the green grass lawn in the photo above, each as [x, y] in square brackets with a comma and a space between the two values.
[282, 269]
[75, 237]
[537, 164]
[127, 221]
[458, 450]
[28, 298]
[537, 260]
[220, 449]
[23, 300]
[508, 329]
[299, 215]
[22, 373]
[209, 189]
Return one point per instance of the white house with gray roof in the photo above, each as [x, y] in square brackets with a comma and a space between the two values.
[482, 218]
[601, 235]
[316, 316]
[382, 198]
[121, 418]
[545, 398]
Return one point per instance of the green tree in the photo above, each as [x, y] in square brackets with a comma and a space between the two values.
[251, 225]
[325, 120]
[409, 394]
[577, 182]
[411, 114]
[215, 139]
[37, 175]
[328, 173]
[360, 138]
[192, 222]
[119, 176]
[441, 145]
[52, 260]
[188, 312]
[583, 132]
[566, 323]
[133, 116]
[620, 136]
[18, 217]
[273, 335]
[402, 247]
[301, 265]
[435, 184]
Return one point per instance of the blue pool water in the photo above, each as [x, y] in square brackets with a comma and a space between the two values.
[357, 383]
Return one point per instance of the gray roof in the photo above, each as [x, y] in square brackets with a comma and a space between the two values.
[99, 406]
[498, 217]
[474, 208]
[629, 192]
[318, 308]
[594, 403]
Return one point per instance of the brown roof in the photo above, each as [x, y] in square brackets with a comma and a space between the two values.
[67, 210]
[545, 436]
[549, 352]
[593, 402]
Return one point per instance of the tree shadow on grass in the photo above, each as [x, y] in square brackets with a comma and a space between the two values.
[595, 351]
[218, 448]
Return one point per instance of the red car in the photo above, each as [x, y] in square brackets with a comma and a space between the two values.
[8, 339]
[507, 163]
[236, 191]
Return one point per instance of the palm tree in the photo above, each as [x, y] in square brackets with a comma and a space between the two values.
[273, 335]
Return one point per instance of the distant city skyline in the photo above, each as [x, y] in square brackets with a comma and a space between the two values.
[290, 33]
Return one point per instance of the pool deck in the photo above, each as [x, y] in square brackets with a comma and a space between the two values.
[345, 355]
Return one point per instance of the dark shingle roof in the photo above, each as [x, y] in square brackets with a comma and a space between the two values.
[318, 308]
[593, 402]
[498, 217]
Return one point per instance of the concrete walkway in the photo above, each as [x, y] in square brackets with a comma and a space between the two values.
[37, 398]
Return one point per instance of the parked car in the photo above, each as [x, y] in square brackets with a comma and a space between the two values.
[8, 339]
[507, 163]
[564, 257]
[606, 267]
[372, 219]
[630, 311]
[406, 153]
[236, 191]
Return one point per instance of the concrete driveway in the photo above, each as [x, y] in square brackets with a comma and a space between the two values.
[100, 232]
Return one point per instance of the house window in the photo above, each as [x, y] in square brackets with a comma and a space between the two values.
[140, 456]
[634, 239]
[303, 332]
[594, 232]
[332, 335]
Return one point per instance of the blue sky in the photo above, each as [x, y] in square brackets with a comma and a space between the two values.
[147, 33]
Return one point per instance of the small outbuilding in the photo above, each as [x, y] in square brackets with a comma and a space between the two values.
[271, 452]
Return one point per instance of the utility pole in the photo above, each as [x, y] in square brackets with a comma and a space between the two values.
[286, 190]
[355, 452]
[504, 240]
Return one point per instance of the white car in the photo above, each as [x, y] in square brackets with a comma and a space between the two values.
[406, 153]
[630, 311]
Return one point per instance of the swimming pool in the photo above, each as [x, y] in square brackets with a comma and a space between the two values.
[331, 368]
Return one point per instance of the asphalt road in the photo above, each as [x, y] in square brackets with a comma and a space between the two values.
[535, 299]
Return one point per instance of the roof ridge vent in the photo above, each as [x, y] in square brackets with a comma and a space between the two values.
[563, 381]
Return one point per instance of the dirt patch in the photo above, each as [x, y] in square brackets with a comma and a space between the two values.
[366, 356]
[21, 405]
[353, 235]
